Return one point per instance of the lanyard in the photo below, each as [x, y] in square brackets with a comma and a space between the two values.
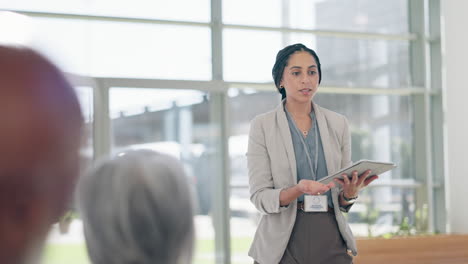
[306, 149]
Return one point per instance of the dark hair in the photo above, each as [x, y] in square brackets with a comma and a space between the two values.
[282, 60]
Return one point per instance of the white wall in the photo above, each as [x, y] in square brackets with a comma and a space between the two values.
[455, 65]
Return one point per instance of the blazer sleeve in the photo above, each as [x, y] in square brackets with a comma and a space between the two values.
[262, 190]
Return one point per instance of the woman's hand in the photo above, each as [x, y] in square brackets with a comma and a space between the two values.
[352, 187]
[314, 187]
[303, 187]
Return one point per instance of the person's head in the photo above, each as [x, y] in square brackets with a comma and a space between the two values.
[137, 208]
[297, 72]
[40, 135]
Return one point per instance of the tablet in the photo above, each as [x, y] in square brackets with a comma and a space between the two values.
[377, 167]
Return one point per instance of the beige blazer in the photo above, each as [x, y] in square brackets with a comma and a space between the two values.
[272, 167]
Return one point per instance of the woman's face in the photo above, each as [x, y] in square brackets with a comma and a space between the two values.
[300, 77]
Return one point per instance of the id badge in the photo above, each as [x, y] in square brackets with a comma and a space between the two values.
[315, 203]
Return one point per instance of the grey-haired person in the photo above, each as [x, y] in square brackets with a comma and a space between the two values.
[137, 208]
[289, 150]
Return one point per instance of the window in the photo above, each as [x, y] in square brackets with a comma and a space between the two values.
[374, 72]
[197, 11]
[117, 49]
[85, 96]
[178, 123]
[249, 55]
[387, 16]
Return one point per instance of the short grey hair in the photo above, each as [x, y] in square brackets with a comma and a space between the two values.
[137, 208]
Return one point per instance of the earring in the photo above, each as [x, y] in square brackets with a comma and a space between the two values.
[281, 87]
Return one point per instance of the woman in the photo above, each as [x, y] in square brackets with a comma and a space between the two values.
[137, 208]
[289, 149]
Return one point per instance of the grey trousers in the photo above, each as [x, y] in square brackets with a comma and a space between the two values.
[315, 239]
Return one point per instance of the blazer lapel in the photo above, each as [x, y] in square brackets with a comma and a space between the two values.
[325, 137]
[287, 139]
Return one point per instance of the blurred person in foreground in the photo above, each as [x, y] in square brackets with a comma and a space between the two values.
[137, 208]
[40, 136]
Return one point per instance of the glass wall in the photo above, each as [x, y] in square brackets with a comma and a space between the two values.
[380, 130]
[197, 11]
[85, 97]
[346, 62]
[152, 65]
[386, 16]
[178, 123]
[123, 49]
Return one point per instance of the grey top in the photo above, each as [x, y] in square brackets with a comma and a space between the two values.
[302, 162]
